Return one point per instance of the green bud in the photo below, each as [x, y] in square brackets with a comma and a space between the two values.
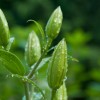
[61, 93]
[4, 30]
[57, 66]
[54, 24]
[32, 49]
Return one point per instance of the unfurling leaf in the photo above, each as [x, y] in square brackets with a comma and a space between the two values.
[11, 62]
[40, 35]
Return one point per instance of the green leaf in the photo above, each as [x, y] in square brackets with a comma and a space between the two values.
[39, 27]
[72, 58]
[25, 79]
[41, 35]
[11, 62]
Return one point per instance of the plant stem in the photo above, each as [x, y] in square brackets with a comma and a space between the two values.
[53, 94]
[26, 86]
[42, 56]
[35, 67]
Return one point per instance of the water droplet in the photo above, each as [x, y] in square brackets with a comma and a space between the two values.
[62, 52]
[7, 76]
[37, 96]
[55, 20]
[2, 47]
[6, 24]
[12, 75]
[65, 79]
[26, 77]
[23, 79]
[12, 39]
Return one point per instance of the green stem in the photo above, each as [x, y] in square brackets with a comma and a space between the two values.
[26, 86]
[35, 67]
[42, 56]
[53, 94]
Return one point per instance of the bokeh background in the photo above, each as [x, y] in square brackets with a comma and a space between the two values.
[81, 29]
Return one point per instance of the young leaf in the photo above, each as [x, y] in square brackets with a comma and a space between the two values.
[72, 58]
[11, 62]
[25, 79]
[41, 35]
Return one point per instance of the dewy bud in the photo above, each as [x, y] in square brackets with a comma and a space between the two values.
[32, 49]
[57, 66]
[4, 30]
[61, 93]
[54, 23]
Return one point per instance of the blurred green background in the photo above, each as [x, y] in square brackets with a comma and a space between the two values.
[81, 29]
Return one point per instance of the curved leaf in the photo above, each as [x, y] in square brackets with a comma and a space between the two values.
[72, 58]
[41, 35]
[25, 79]
[11, 62]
